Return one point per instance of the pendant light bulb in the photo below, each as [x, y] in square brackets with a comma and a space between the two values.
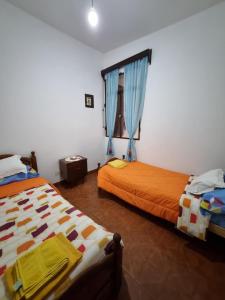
[93, 17]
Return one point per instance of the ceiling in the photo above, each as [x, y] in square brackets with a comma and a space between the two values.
[120, 21]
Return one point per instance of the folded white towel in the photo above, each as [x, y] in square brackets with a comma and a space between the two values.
[207, 182]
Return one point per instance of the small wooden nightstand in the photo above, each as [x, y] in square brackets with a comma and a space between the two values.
[73, 171]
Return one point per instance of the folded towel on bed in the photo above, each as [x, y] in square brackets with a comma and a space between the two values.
[41, 269]
[117, 163]
[207, 182]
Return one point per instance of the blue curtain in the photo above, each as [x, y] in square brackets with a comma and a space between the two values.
[135, 76]
[112, 82]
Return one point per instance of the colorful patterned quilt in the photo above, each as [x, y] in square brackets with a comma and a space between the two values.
[192, 220]
[29, 218]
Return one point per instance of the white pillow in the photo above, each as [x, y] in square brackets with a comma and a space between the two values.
[207, 182]
[11, 166]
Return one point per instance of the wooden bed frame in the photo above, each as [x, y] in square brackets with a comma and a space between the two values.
[216, 229]
[102, 280]
[30, 161]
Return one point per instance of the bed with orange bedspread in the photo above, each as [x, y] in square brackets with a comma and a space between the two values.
[152, 189]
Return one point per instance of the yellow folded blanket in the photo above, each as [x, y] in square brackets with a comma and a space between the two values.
[37, 272]
[117, 163]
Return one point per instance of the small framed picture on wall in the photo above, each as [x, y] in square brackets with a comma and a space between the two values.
[89, 101]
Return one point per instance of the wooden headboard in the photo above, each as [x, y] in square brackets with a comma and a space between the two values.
[30, 161]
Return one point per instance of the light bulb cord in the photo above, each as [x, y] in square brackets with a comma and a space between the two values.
[92, 3]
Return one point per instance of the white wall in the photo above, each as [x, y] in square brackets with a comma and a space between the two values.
[44, 75]
[183, 126]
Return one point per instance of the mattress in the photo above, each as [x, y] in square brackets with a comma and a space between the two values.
[37, 213]
[152, 189]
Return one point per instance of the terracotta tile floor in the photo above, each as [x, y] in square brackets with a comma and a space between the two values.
[158, 262]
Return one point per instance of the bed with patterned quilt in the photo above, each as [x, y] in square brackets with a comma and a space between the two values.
[32, 211]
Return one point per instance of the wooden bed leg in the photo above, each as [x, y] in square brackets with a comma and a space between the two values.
[100, 191]
[34, 161]
[118, 262]
[115, 247]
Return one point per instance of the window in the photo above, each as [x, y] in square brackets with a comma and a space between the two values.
[120, 127]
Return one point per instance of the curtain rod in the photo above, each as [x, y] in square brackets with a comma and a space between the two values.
[147, 52]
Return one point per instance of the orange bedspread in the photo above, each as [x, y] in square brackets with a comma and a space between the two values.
[150, 188]
[20, 186]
